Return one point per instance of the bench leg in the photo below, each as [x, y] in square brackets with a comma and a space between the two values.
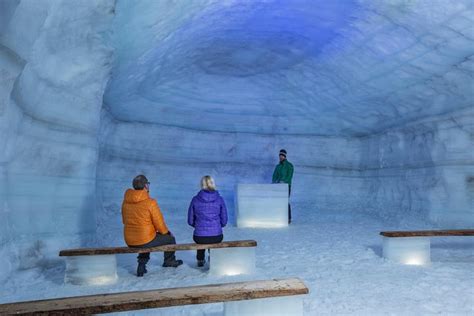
[273, 306]
[91, 270]
[407, 250]
[232, 261]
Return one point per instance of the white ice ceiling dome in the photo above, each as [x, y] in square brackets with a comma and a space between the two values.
[299, 67]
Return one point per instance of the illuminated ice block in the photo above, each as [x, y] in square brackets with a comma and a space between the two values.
[232, 261]
[262, 205]
[91, 270]
[273, 306]
[407, 250]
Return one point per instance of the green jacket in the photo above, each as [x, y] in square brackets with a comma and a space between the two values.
[283, 172]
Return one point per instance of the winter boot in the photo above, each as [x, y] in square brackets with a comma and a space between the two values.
[172, 263]
[201, 263]
[141, 269]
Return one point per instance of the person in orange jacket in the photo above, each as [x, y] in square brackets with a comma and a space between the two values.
[144, 225]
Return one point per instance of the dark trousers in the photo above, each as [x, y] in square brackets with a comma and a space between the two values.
[206, 240]
[159, 240]
[289, 206]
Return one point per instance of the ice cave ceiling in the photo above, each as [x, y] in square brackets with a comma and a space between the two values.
[320, 67]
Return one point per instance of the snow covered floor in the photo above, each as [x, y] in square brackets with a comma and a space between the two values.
[337, 255]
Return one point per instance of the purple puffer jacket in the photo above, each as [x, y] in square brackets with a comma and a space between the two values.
[207, 213]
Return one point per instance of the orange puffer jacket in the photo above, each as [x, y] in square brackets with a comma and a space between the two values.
[142, 218]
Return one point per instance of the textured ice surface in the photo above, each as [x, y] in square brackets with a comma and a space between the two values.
[301, 67]
[53, 69]
[422, 170]
[372, 100]
[262, 205]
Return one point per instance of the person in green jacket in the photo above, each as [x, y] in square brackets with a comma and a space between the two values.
[284, 174]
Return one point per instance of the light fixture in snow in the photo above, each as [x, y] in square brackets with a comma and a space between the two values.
[261, 224]
[407, 250]
[102, 280]
[232, 261]
[231, 272]
[91, 270]
[415, 261]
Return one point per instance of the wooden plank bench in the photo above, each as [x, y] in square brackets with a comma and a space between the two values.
[90, 266]
[414, 247]
[274, 297]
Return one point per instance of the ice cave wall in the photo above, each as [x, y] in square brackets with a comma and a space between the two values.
[422, 170]
[175, 159]
[53, 71]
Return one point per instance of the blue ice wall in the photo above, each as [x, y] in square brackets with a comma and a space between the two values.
[54, 67]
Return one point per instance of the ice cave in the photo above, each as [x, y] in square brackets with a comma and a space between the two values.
[373, 102]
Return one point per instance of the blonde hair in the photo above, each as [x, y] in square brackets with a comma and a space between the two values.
[207, 183]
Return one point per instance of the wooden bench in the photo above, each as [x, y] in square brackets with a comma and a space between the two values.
[274, 297]
[89, 266]
[413, 247]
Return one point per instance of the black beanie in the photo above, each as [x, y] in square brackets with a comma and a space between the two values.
[283, 152]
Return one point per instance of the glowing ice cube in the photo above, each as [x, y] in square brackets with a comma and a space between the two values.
[273, 306]
[262, 205]
[407, 250]
[232, 261]
[91, 270]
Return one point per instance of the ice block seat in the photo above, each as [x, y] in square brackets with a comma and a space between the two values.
[94, 266]
[267, 297]
[262, 205]
[413, 247]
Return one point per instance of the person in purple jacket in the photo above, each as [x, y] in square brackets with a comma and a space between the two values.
[207, 214]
